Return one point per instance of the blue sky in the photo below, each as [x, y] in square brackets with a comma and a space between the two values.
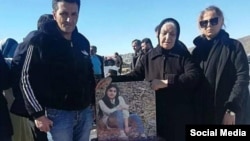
[111, 25]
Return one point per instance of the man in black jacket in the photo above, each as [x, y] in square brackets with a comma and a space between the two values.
[136, 44]
[57, 77]
[118, 62]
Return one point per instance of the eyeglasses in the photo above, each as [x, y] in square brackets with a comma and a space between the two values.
[213, 22]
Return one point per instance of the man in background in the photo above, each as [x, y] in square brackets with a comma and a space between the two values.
[146, 46]
[97, 62]
[136, 44]
[118, 62]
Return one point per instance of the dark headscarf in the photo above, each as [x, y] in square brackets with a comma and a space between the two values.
[106, 99]
[171, 20]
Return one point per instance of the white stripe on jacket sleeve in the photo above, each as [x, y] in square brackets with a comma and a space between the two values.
[28, 92]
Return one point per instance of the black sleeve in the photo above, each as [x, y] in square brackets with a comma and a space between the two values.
[29, 71]
[4, 74]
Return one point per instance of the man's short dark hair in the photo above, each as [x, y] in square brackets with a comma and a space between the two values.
[93, 47]
[137, 41]
[54, 3]
[147, 40]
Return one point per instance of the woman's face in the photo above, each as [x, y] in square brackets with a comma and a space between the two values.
[112, 92]
[210, 24]
[167, 35]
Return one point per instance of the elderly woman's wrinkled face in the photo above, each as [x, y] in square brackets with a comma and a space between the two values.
[167, 35]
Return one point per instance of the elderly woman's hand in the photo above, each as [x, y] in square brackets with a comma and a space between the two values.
[103, 82]
[157, 84]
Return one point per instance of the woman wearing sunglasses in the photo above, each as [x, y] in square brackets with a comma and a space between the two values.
[225, 66]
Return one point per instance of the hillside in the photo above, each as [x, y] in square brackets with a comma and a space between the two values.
[246, 43]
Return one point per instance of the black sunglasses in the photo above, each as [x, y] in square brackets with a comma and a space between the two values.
[213, 22]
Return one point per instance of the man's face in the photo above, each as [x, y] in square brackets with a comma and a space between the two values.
[136, 47]
[66, 17]
[92, 51]
[144, 46]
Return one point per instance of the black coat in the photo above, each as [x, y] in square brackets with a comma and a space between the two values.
[57, 73]
[175, 105]
[6, 129]
[18, 106]
[230, 80]
[134, 59]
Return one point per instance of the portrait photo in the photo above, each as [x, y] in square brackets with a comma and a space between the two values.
[126, 111]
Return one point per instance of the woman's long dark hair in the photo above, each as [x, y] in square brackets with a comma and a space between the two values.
[106, 99]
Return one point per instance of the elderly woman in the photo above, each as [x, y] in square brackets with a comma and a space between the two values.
[173, 76]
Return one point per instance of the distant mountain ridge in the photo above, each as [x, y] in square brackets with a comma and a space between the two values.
[127, 58]
[246, 43]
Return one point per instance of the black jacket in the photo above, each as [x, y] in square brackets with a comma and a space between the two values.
[134, 59]
[229, 87]
[5, 122]
[18, 105]
[57, 73]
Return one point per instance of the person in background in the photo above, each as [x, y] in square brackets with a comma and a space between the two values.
[114, 113]
[112, 72]
[21, 127]
[226, 71]
[18, 106]
[146, 46]
[8, 47]
[136, 44]
[6, 129]
[57, 78]
[118, 62]
[97, 62]
[109, 61]
[173, 75]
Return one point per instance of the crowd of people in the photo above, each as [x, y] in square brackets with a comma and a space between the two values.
[55, 72]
